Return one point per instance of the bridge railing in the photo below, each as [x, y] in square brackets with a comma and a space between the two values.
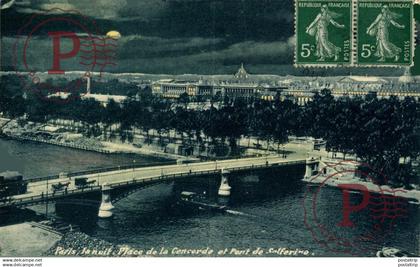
[42, 198]
[45, 197]
[205, 172]
[99, 170]
[116, 168]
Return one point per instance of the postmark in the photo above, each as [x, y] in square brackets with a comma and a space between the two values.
[366, 213]
[323, 32]
[385, 33]
[76, 49]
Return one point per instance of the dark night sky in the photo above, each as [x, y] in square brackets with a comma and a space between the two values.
[169, 36]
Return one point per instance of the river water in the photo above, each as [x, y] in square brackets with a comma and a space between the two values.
[268, 210]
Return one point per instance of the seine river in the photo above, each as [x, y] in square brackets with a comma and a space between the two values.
[265, 211]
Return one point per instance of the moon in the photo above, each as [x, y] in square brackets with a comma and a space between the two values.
[7, 4]
[114, 35]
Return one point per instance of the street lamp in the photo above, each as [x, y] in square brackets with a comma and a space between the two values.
[46, 202]
[134, 166]
[282, 151]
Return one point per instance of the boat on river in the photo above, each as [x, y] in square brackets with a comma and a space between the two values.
[194, 199]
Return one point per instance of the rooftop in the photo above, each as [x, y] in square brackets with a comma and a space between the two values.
[241, 73]
[104, 98]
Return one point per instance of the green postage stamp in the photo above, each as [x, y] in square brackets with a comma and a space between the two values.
[354, 33]
[385, 32]
[323, 32]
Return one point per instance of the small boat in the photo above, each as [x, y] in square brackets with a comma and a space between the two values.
[202, 204]
[250, 179]
[413, 201]
[185, 195]
[389, 252]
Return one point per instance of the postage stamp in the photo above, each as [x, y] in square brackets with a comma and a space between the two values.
[385, 33]
[323, 32]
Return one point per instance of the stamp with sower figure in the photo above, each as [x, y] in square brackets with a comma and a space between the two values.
[323, 32]
[385, 32]
[354, 33]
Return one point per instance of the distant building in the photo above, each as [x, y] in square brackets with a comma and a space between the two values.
[295, 88]
[104, 99]
[406, 78]
[298, 89]
[173, 89]
[302, 89]
[238, 87]
[242, 74]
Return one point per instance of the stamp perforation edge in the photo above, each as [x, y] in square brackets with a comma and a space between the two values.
[354, 26]
[296, 35]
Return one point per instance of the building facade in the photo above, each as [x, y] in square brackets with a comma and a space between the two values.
[240, 86]
[298, 89]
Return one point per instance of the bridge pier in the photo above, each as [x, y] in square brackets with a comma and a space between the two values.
[224, 189]
[105, 210]
[312, 166]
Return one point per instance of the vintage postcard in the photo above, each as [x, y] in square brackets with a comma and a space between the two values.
[209, 128]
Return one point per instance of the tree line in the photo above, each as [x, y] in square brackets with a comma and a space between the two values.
[381, 132]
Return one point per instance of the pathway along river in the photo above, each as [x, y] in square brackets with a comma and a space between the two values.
[264, 210]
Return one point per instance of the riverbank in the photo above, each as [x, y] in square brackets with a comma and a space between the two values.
[69, 134]
[333, 175]
[26, 240]
[49, 134]
[31, 239]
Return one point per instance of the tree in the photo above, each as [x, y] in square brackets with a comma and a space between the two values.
[233, 120]
[285, 121]
[184, 98]
[111, 115]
